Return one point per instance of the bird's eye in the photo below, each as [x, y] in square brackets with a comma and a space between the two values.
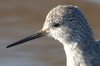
[56, 24]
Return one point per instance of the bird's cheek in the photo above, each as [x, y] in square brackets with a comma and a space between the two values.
[53, 34]
[50, 33]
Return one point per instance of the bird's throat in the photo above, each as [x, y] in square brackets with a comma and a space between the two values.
[75, 56]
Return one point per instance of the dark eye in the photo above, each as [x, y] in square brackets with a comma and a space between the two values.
[56, 24]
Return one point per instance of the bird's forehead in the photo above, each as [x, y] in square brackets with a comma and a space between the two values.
[57, 14]
[59, 11]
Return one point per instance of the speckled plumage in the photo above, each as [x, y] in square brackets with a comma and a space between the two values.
[75, 34]
[68, 25]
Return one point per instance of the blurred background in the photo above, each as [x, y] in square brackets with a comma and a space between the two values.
[21, 18]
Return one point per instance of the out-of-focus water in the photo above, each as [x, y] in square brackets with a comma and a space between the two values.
[21, 18]
[94, 1]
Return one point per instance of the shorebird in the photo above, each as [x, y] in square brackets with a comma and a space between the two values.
[68, 25]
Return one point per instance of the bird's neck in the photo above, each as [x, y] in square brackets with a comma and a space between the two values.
[76, 56]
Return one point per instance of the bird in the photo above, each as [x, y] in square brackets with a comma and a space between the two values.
[69, 25]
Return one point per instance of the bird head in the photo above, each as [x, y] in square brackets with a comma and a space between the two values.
[65, 23]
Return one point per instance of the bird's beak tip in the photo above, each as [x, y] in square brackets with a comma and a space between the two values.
[32, 37]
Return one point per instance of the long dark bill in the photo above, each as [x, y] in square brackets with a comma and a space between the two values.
[34, 36]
